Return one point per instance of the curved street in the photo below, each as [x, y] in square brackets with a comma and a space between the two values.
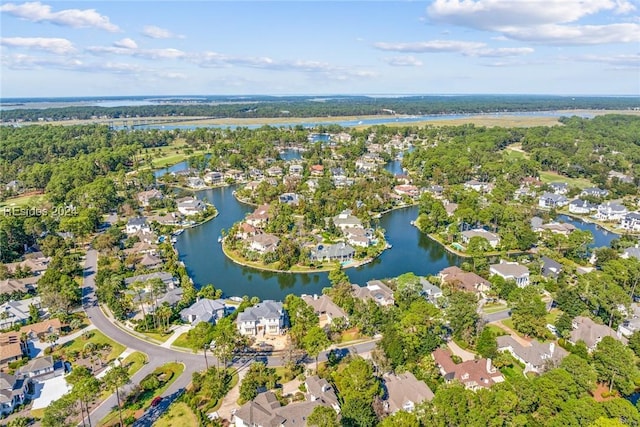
[157, 355]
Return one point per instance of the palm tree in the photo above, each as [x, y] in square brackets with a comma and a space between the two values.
[115, 378]
[52, 339]
[140, 290]
[164, 312]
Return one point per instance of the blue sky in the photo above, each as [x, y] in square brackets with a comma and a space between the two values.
[100, 48]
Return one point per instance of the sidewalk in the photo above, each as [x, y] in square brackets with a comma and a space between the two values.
[176, 333]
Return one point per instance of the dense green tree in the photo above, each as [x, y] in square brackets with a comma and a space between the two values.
[200, 337]
[462, 314]
[486, 345]
[528, 311]
[116, 377]
[615, 364]
[323, 416]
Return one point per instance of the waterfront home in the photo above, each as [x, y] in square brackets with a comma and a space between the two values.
[234, 174]
[550, 269]
[319, 389]
[260, 217]
[492, 238]
[137, 224]
[536, 357]
[150, 261]
[267, 411]
[559, 228]
[141, 248]
[450, 207]
[559, 187]
[430, 291]
[263, 242]
[203, 310]
[582, 207]
[611, 211]
[631, 322]
[358, 236]
[404, 391]
[145, 198]
[631, 221]
[246, 230]
[214, 178]
[148, 237]
[345, 220]
[341, 137]
[190, 206]
[473, 374]
[591, 333]
[252, 185]
[465, 281]
[594, 192]
[324, 308]
[376, 291]
[552, 200]
[267, 317]
[169, 281]
[407, 190]
[511, 271]
[13, 392]
[340, 252]
[366, 165]
[195, 182]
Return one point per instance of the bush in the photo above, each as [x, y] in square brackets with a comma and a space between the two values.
[151, 382]
[48, 350]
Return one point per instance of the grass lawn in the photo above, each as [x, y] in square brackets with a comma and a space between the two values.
[134, 362]
[497, 331]
[144, 400]
[181, 341]
[514, 151]
[35, 200]
[494, 308]
[97, 338]
[156, 336]
[553, 315]
[508, 323]
[547, 176]
[350, 335]
[178, 415]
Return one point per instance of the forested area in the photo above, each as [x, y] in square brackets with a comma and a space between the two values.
[329, 106]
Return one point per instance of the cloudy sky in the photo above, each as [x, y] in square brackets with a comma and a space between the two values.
[99, 48]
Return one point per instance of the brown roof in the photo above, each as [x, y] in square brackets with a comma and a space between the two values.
[405, 389]
[464, 280]
[42, 327]
[472, 373]
[10, 351]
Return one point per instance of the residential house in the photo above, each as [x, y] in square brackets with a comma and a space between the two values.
[214, 178]
[431, 292]
[620, 177]
[358, 236]
[594, 192]
[188, 206]
[195, 182]
[523, 192]
[274, 171]
[169, 281]
[267, 317]
[13, 391]
[552, 200]
[34, 262]
[263, 242]
[16, 312]
[481, 187]
[450, 207]
[319, 389]
[203, 310]
[26, 285]
[145, 198]
[42, 368]
[252, 185]
[289, 199]
[492, 238]
[138, 224]
[42, 329]
[631, 222]
[404, 391]
[150, 261]
[366, 165]
[407, 190]
[345, 220]
[536, 357]
[511, 271]
[324, 308]
[259, 217]
[296, 170]
[611, 211]
[342, 137]
[591, 333]
[559, 187]
[464, 280]
[234, 174]
[376, 291]
[266, 411]
[631, 252]
[631, 323]
[473, 374]
[435, 190]
[246, 230]
[582, 207]
[340, 252]
[559, 228]
[551, 269]
[317, 170]
[11, 348]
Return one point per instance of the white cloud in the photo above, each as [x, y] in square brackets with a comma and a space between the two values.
[159, 33]
[403, 61]
[126, 43]
[117, 49]
[545, 21]
[54, 45]
[466, 48]
[631, 61]
[75, 18]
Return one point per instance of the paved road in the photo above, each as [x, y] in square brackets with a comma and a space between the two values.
[158, 355]
[494, 317]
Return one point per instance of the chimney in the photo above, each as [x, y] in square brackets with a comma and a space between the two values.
[489, 367]
[552, 348]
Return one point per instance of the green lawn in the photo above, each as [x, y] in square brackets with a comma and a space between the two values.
[134, 362]
[156, 336]
[493, 308]
[97, 338]
[181, 341]
[28, 200]
[497, 331]
[547, 176]
[553, 315]
[178, 415]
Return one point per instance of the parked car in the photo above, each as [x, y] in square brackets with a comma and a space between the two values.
[156, 401]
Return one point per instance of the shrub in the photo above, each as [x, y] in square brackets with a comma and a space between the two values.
[151, 382]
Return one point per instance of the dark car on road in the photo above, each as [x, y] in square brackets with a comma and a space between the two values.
[156, 401]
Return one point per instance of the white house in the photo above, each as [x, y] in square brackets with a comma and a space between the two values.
[265, 318]
[190, 206]
[631, 221]
[214, 178]
[195, 182]
[264, 242]
[345, 220]
[552, 200]
[511, 271]
[204, 310]
[559, 187]
[582, 207]
[611, 211]
[137, 224]
[492, 238]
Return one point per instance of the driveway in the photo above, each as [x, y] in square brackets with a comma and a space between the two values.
[460, 352]
[49, 390]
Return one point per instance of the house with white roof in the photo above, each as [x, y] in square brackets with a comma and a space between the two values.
[511, 271]
[190, 206]
[204, 310]
[552, 200]
[611, 211]
[137, 224]
[582, 207]
[492, 238]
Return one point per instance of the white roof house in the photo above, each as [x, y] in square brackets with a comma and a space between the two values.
[511, 271]
[190, 206]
